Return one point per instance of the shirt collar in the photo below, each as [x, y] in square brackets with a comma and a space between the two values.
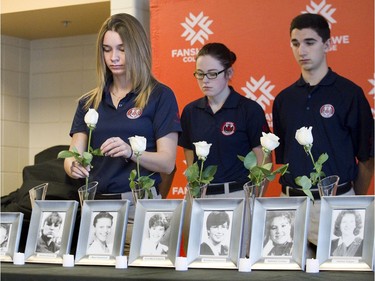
[231, 101]
[328, 79]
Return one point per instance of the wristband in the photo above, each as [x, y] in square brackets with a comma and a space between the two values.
[131, 154]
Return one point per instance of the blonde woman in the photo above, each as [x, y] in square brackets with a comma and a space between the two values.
[130, 101]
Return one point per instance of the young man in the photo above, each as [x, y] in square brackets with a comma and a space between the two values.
[48, 242]
[334, 107]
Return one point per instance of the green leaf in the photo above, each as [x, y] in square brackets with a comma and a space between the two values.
[304, 182]
[133, 175]
[322, 158]
[66, 154]
[250, 160]
[267, 166]
[192, 172]
[282, 170]
[308, 193]
[87, 158]
[97, 152]
[209, 172]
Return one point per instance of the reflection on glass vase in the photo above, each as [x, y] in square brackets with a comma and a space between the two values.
[328, 185]
[196, 192]
[87, 192]
[142, 193]
[254, 190]
[251, 192]
[38, 193]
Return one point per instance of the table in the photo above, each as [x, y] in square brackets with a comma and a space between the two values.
[56, 272]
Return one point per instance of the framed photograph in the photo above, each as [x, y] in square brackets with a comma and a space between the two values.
[279, 233]
[50, 231]
[156, 233]
[102, 231]
[346, 233]
[215, 233]
[10, 232]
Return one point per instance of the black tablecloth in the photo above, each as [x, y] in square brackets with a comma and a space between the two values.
[52, 272]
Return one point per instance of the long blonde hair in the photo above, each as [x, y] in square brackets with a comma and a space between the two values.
[138, 60]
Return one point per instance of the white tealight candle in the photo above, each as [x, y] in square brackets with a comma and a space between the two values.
[312, 266]
[19, 258]
[68, 260]
[181, 264]
[121, 262]
[244, 265]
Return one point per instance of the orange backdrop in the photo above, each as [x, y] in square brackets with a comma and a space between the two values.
[258, 32]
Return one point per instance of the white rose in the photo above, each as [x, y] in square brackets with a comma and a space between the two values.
[304, 136]
[269, 141]
[91, 117]
[202, 149]
[138, 144]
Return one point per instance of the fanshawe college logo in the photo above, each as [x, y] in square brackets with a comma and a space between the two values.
[327, 111]
[325, 9]
[196, 30]
[228, 128]
[265, 95]
[134, 113]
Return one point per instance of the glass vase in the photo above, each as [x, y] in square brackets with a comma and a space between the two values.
[196, 192]
[252, 191]
[328, 185]
[87, 192]
[38, 193]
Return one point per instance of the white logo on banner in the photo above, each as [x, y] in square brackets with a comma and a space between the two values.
[372, 82]
[324, 9]
[263, 86]
[372, 92]
[191, 23]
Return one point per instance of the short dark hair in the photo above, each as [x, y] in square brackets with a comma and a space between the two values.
[314, 21]
[217, 218]
[158, 220]
[102, 215]
[358, 222]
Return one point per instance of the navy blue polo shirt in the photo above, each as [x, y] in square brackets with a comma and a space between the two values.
[233, 130]
[342, 122]
[159, 118]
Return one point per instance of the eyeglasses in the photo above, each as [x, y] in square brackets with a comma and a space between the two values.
[210, 75]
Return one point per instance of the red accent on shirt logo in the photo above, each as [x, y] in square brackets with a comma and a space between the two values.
[134, 113]
[228, 128]
[327, 111]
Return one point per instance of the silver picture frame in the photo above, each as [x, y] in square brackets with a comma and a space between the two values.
[156, 233]
[215, 214]
[333, 209]
[11, 226]
[263, 253]
[59, 214]
[103, 222]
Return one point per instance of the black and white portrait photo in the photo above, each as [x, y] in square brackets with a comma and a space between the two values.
[156, 234]
[50, 232]
[4, 236]
[101, 233]
[279, 232]
[347, 233]
[216, 234]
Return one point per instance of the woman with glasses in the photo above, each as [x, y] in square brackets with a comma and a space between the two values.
[223, 117]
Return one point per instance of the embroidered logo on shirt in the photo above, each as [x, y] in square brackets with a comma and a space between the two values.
[134, 113]
[327, 111]
[228, 128]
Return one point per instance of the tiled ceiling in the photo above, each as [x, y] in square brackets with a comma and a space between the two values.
[56, 22]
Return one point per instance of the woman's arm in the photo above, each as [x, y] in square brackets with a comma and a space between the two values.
[189, 157]
[72, 168]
